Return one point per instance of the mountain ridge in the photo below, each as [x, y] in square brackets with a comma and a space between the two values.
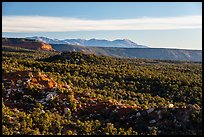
[91, 42]
[146, 53]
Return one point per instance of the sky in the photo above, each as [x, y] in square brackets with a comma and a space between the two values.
[154, 24]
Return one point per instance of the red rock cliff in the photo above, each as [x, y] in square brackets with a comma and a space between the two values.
[28, 44]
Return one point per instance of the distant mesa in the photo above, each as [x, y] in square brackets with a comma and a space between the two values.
[27, 44]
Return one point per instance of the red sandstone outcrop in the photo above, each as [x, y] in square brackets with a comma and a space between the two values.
[35, 45]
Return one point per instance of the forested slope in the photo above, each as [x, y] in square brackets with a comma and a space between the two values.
[54, 93]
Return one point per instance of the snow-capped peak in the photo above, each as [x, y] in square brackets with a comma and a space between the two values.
[125, 43]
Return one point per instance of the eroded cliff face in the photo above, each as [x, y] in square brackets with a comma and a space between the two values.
[28, 44]
[46, 47]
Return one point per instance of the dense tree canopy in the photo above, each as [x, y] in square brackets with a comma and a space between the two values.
[110, 96]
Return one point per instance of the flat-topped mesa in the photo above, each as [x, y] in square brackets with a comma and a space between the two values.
[26, 43]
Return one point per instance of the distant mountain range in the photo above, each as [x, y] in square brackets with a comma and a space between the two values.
[146, 53]
[123, 43]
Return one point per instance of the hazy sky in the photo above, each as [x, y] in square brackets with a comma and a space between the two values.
[155, 24]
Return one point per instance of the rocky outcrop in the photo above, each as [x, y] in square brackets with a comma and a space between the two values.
[23, 89]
